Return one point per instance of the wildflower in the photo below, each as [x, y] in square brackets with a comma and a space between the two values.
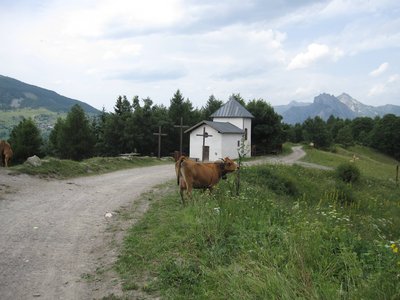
[394, 247]
[217, 210]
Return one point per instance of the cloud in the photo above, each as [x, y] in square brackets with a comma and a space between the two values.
[121, 51]
[314, 53]
[390, 86]
[150, 75]
[380, 70]
[377, 89]
[240, 73]
[106, 18]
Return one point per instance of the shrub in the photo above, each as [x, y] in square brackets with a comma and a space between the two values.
[348, 172]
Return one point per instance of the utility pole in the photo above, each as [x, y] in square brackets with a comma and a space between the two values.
[204, 135]
[181, 126]
[159, 134]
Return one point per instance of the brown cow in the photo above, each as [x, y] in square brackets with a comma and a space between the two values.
[6, 152]
[191, 174]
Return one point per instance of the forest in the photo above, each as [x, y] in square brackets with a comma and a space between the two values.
[131, 126]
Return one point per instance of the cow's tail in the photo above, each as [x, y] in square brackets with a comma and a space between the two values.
[178, 165]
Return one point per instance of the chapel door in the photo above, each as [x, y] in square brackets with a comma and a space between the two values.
[206, 153]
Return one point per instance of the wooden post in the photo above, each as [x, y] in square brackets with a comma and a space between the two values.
[204, 135]
[238, 176]
[159, 140]
[181, 126]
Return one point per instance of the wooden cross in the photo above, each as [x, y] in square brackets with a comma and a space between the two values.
[204, 135]
[181, 134]
[159, 140]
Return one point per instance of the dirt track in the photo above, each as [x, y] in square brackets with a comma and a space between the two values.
[293, 158]
[52, 230]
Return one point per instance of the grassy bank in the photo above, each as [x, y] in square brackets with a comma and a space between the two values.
[60, 168]
[372, 163]
[291, 233]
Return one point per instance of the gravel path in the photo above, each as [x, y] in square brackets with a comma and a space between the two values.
[291, 159]
[51, 230]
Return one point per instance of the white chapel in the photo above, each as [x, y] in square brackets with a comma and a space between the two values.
[221, 137]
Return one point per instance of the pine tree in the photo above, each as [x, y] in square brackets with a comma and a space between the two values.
[76, 139]
[25, 140]
[212, 106]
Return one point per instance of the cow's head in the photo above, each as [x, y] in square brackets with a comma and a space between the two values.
[228, 165]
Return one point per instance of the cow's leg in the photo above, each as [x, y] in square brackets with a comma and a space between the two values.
[189, 188]
[182, 187]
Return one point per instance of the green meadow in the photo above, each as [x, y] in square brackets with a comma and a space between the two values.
[291, 233]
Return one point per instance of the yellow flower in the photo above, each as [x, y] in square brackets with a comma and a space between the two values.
[396, 250]
[393, 246]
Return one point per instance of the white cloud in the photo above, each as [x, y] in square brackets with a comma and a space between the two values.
[389, 86]
[394, 78]
[314, 53]
[109, 18]
[380, 70]
[377, 89]
[121, 50]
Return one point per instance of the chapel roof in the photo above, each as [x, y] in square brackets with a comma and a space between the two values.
[221, 127]
[232, 109]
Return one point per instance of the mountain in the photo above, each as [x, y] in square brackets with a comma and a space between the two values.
[368, 110]
[280, 109]
[325, 105]
[15, 94]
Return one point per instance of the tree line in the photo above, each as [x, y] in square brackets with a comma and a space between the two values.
[130, 127]
[380, 133]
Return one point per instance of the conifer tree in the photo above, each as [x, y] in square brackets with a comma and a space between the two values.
[25, 140]
[76, 139]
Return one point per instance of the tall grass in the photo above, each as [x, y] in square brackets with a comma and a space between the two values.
[288, 235]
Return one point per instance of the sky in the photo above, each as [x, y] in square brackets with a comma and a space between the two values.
[279, 51]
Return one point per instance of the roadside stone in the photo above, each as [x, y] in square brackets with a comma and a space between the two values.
[34, 161]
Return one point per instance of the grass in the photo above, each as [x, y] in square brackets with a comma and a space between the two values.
[60, 168]
[371, 163]
[289, 234]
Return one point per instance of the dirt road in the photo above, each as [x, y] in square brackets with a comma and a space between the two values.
[51, 230]
[293, 158]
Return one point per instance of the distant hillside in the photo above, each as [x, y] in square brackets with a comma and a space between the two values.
[280, 109]
[325, 105]
[15, 94]
[19, 100]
